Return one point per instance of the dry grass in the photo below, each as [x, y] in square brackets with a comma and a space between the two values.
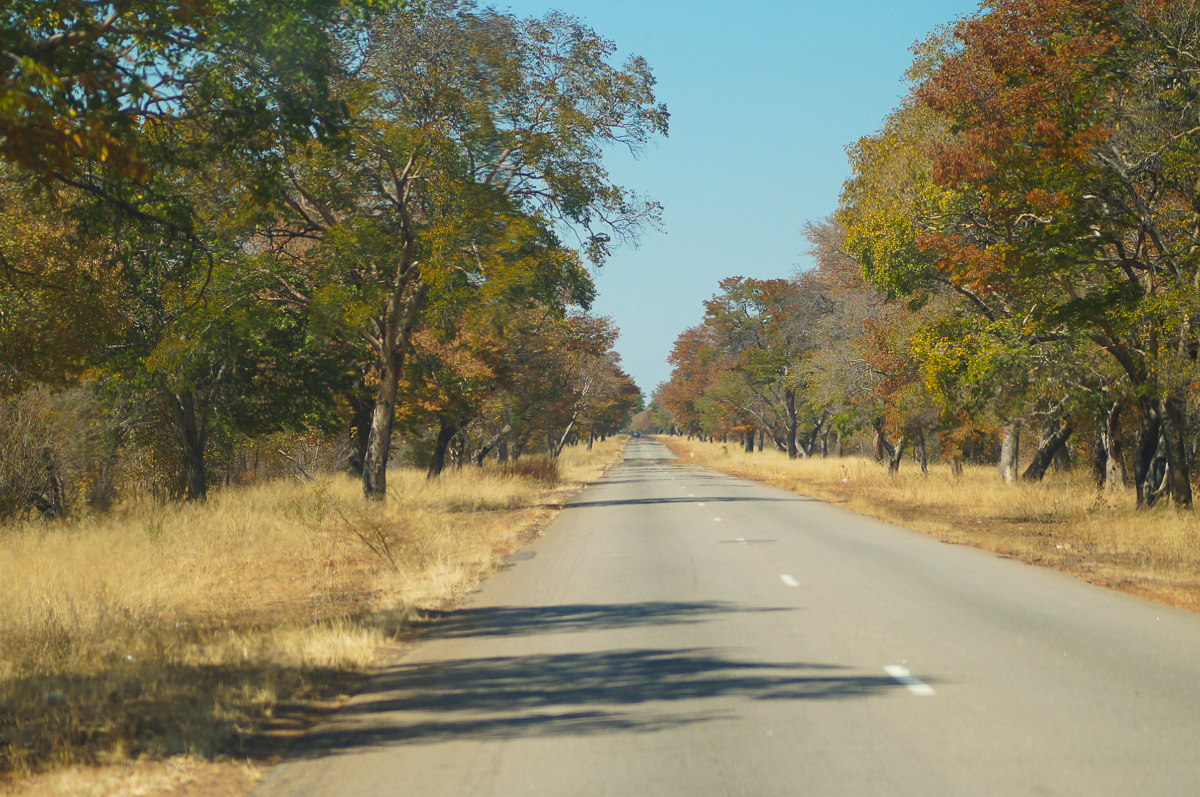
[177, 634]
[1063, 522]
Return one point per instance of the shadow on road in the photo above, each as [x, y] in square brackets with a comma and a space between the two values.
[571, 694]
[693, 500]
[692, 480]
[523, 620]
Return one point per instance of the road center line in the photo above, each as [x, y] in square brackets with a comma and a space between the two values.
[906, 679]
[791, 582]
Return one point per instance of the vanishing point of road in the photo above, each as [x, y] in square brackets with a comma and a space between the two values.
[678, 631]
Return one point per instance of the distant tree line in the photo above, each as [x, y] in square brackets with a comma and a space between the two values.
[225, 221]
[1016, 254]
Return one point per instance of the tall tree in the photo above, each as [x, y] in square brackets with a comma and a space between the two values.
[123, 115]
[483, 133]
[767, 329]
[1076, 144]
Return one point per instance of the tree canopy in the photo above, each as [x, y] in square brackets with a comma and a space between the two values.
[314, 214]
[1028, 217]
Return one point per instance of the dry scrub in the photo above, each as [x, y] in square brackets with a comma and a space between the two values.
[1063, 522]
[158, 638]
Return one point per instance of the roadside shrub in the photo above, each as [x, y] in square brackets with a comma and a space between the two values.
[539, 469]
[57, 451]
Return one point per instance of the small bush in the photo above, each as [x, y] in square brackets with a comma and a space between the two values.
[538, 469]
[56, 453]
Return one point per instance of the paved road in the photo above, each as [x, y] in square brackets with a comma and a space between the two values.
[682, 632]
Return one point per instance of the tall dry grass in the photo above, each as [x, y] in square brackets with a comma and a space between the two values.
[202, 631]
[1062, 522]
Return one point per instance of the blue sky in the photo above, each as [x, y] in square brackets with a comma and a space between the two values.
[764, 97]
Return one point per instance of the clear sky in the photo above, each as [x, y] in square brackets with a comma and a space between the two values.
[764, 97]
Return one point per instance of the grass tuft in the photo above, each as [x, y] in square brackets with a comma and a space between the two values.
[541, 470]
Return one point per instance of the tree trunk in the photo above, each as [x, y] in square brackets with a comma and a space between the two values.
[919, 451]
[191, 433]
[1114, 470]
[896, 453]
[1054, 437]
[1175, 434]
[1062, 458]
[882, 448]
[51, 501]
[811, 445]
[360, 433]
[792, 423]
[394, 332]
[1147, 449]
[446, 431]
[379, 439]
[556, 448]
[749, 442]
[497, 442]
[1010, 453]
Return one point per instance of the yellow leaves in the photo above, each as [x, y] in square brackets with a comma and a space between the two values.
[335, 303]
[892, 197]
[457, 356]
[169, 358]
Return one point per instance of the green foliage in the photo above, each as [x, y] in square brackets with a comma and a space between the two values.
[87, 84]
[892, 198]
[246, 211]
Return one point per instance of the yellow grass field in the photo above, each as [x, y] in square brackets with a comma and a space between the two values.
[1063, 522]
[160, 645]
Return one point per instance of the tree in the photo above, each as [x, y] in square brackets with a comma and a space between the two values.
[483, 134]
[123, 116]
[1076, 145]
[52, 270]
[695, 369]
[766, 330]
[986, 350]
[839, 376]
[449, 381]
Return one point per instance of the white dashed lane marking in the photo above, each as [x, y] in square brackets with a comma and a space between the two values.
[906, 679]
[791, 582]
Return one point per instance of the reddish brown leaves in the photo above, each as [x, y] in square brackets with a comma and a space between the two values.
[1020, 87]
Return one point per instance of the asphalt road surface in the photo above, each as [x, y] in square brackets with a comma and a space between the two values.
[682, 632]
